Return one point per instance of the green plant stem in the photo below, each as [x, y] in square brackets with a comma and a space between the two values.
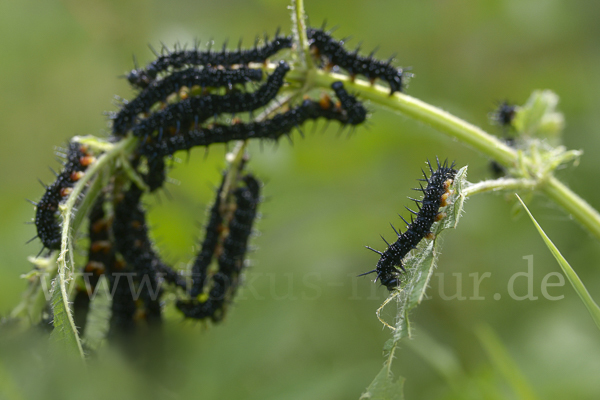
[459, 129]
[235, 159]
[299, 26]
[573, 204]
[420, 111]
[496, 185]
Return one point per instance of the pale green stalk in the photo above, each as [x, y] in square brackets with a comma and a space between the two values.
[461, 130]
[497, 185]
[299, 28]
[573, 204]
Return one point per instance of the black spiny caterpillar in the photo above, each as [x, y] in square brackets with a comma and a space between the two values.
[177, 59]
[334, 53]
[435, 195]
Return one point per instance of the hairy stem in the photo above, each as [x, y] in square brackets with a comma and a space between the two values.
[420, 111]
[496, 185]
[573, 204]
[461, 130]
[299, 27]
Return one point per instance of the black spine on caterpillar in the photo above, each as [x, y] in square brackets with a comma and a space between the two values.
[211, 239]
[100, 255]
[46, 218]
[272, 128]
[195, 110]
[141, 78]
[231, 260]
[435, 195]
[354, 63]
[159, 90]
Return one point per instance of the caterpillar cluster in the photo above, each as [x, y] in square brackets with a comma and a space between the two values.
[101, 255]
[159, 90]
[329, 51]
[195, 110]
[105, 258]
[435, 196]
[348, 112]
[120, 249]
[186, 99]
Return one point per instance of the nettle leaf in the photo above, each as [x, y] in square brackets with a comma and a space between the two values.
[64, 331]
[538, 116]
[383, 386]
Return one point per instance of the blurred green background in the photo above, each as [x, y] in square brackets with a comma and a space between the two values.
[307, 328]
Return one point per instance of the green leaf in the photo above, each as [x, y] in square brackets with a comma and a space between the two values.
[538, 116]
[383, 386]
[572, 276]
[64, 331]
